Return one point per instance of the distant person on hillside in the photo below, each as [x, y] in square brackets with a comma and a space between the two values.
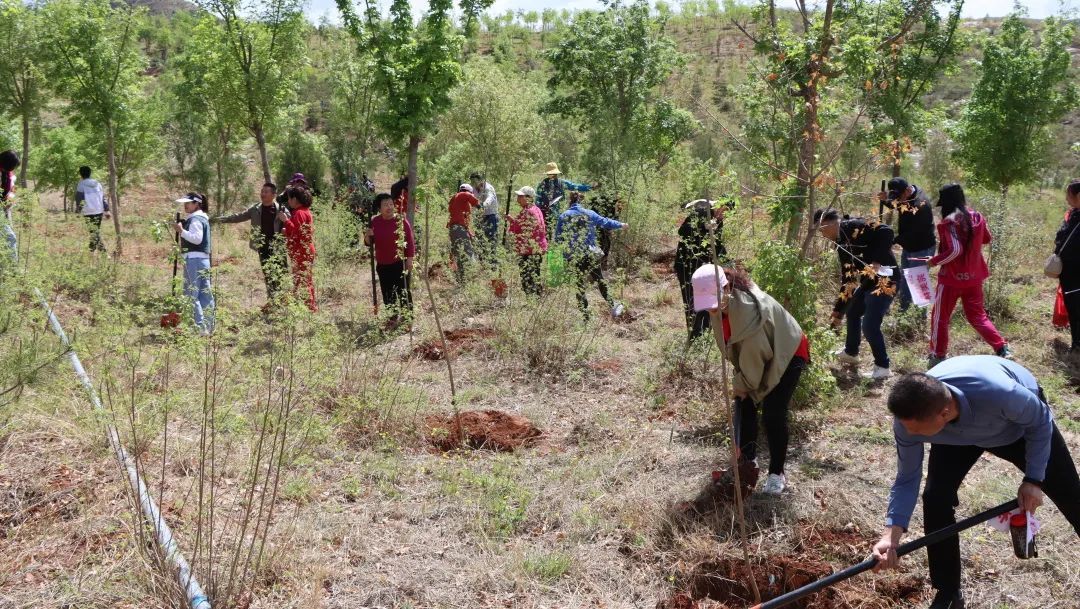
[195, 248]
[963, 271]
[693, 252]
[265, 237]
[91, 202]
[868, 284]
[530, 241]
[768, 351]
[1067, 247]
[9, 162]
[914, 228]
[298, 226]
[576, 232]
[488, 219]
[461, 239]
[550, 194]
[392, 236]
[963, 408]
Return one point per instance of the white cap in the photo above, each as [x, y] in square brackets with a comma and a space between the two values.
[706, 297]
[526, 191]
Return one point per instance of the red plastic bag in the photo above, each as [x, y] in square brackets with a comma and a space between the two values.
[1061, 315]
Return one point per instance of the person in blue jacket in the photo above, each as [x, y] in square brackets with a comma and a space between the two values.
[551, 192]
[962, 408]
[576, 232]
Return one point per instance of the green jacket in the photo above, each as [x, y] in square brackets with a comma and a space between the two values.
[253, 215]
[764, 338]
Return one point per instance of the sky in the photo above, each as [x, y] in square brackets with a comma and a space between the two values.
[972, 8]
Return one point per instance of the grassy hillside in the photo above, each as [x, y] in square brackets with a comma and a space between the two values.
[577, 475]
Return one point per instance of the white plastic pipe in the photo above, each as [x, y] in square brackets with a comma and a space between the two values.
[163, 534]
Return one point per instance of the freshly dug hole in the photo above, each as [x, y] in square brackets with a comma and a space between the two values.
[457, 341]
[481, 429]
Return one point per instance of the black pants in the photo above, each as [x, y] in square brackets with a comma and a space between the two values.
[549, 221]
[274, 267]
[947, 467]
[94, 224]
[529, 266]
[774, 413]
[697, 322]
[394, 284]
[1070, 288]
[588, 271]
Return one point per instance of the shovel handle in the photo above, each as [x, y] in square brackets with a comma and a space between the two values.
[904, 549]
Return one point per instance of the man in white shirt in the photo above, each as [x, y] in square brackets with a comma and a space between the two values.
[488, 218]
[90, 200]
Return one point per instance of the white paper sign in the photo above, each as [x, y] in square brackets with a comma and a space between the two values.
[1001, 523]
[918, 282]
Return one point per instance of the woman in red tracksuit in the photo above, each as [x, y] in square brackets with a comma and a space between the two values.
[300, 242]
[962, 233]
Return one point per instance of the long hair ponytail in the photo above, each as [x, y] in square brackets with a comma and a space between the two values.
[951, 199]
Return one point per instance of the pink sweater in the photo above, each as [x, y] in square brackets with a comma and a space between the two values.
[530, 234]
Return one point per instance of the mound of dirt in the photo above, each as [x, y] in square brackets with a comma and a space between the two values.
[724, 584]
[457, 341]
[481, 429]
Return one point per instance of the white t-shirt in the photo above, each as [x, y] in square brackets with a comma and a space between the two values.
[93, 197]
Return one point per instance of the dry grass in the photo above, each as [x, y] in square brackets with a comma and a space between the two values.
[370, 516]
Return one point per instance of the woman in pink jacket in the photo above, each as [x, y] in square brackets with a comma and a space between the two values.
[530, 240]
[961, 235]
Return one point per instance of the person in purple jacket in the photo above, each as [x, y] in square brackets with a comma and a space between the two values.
[962, 408]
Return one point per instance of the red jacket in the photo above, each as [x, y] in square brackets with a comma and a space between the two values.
[393, 240]
[461, 206]
[530, 234]
[300, 234]
[959, 253]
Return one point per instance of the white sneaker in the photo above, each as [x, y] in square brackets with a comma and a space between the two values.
[846, 358]
[774, 484]
[878, 374]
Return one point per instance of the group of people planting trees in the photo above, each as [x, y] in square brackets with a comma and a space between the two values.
[962, 406]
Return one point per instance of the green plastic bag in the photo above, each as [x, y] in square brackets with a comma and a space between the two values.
[555, 264]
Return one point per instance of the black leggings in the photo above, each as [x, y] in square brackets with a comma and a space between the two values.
[1071, 292]
[945, 471]
[394, 284]
[588, 271]
[530, 273]
[774, 412]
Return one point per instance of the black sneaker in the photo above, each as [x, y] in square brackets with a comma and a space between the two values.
[933, 360]
[948, 600]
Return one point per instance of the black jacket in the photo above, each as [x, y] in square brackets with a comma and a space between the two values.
[1069, 248]
[863, 242]
[693, 249]
[915, 226]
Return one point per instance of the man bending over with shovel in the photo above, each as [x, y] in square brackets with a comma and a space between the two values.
[963, 407]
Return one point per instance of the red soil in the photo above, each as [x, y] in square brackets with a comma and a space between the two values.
[457, 341]
[481, 429]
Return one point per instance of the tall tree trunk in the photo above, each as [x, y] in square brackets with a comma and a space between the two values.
[260, 139]
[114, 191]
[805, 172]
[414, 149]
[25, 149]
